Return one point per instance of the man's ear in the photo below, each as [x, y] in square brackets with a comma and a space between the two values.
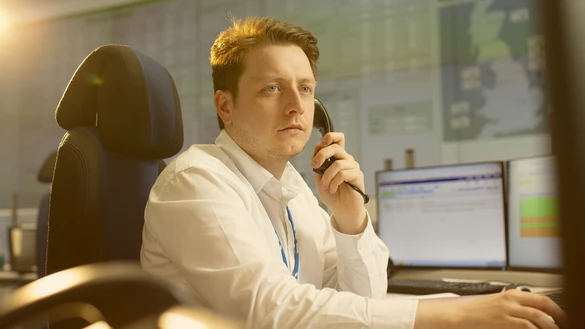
[224, 105]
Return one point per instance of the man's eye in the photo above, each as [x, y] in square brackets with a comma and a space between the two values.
[306, 89]
[272, 88]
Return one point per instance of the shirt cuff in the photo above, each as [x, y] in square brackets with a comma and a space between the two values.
[398, 314]
[351, 247]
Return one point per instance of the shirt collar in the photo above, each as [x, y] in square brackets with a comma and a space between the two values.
[257, 175]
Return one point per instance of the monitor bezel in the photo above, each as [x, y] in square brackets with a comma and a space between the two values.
[553, 270]
[501, 163]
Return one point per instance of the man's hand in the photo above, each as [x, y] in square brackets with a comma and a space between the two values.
[512, 309]
[346, 204]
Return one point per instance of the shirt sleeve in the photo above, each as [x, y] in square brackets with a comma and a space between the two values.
[356, 263]
[199, 221]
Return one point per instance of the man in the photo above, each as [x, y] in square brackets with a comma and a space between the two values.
[236, 223]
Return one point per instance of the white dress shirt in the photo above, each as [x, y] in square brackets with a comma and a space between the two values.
[211, 223]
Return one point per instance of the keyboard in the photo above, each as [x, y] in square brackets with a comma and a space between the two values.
[558, 296]
[426, 287]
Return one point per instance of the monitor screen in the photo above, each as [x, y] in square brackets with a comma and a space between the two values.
[533, 214]
[445, 216]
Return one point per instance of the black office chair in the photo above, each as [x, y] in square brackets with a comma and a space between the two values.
[45, 175]
[122, 115]
[84, 295]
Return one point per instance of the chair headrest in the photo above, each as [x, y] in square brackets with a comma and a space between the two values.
[133, 99]
[45, 174]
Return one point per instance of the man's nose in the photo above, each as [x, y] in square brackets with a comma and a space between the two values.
[295, 103]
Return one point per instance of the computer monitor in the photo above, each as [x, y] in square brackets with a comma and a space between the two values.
[565, 62]
[444, 216]
[534, 232]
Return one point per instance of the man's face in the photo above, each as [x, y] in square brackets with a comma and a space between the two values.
[272, 117]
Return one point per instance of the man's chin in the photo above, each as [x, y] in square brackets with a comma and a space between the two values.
[290, 150]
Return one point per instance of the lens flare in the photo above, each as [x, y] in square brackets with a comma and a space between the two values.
[95, 80]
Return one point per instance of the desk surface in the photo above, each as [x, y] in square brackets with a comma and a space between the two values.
[10, 281]
[9, 276]
[533, 279]
[391, 295]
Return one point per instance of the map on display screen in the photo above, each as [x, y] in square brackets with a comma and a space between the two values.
[491, 70]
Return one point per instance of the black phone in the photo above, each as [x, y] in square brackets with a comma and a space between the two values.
[322, 122]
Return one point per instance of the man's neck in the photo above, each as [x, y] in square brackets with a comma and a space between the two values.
[274, 166]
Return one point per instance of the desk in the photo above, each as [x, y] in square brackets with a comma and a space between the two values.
[10, 281]
[11, 278]
[392, 295]
[525, 278]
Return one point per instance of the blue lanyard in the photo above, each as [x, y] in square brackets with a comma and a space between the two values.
[295, 272]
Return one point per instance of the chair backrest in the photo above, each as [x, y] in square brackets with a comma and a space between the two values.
[122, 114]
[42, 232]
[45, 175]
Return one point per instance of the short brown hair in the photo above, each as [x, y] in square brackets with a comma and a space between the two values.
[230, 47]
